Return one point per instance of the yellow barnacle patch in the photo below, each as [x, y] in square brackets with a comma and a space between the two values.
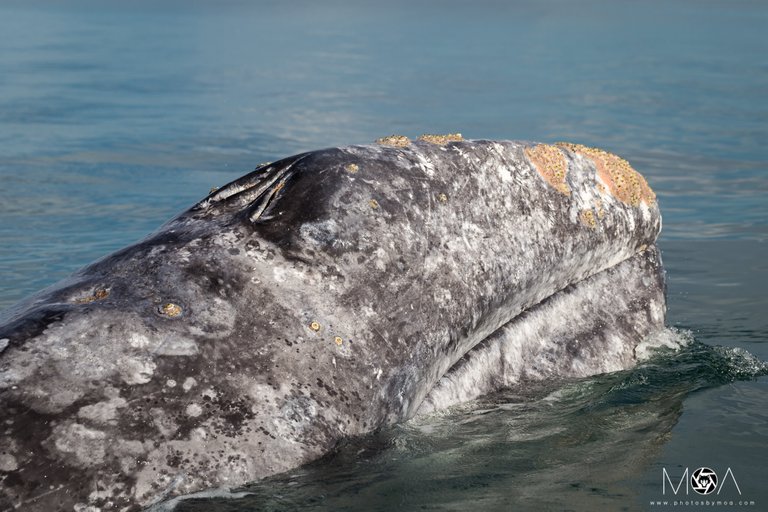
[599, 209]
[624, 183]
[338, 340]
[99, 294]
[398, 141]
[442, 197]
[373, 204]
[441, 139]
[170, 310]
[550, 163]
[587, 218]
[352, 168]
[314, 326]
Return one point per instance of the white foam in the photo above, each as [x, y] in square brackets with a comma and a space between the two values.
[666, 338]
[170, 505]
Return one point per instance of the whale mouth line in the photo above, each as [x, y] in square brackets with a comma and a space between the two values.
[555, 338]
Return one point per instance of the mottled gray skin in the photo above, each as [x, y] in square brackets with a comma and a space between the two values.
[406, 261]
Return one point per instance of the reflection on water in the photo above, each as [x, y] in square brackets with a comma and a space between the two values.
[114, 116]
[584, 443]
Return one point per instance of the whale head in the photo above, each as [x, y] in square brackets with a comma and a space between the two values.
[319, 297]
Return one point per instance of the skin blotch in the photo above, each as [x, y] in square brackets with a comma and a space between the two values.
[624, 183]
[8, 462]
[550, 162]
[398, 141]
[86, 446]
[102, 412]
[441, 139]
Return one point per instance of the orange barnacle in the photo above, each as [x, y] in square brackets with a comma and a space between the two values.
[550, 163]
[623, 182]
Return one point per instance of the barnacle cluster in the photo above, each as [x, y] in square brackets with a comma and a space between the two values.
[170, 310]
[588, 218]
[550, 162]
[98, 294]
[399, 141]
[624, 183]
[441, 139]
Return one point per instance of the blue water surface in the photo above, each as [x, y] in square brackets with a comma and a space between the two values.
[114, 116]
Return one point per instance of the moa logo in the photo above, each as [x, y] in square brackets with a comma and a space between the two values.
[702, 480]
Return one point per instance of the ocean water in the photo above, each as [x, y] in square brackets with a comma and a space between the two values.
[114, 116]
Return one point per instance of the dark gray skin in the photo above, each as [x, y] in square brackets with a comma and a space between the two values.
[321, 296]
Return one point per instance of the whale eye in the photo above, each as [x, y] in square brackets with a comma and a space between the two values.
[170, 310]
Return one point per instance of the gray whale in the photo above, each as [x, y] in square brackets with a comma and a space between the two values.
[320, 297]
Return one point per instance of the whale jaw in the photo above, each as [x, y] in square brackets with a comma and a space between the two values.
[588, 328]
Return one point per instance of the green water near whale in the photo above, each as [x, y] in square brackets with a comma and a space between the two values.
[114, 117]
